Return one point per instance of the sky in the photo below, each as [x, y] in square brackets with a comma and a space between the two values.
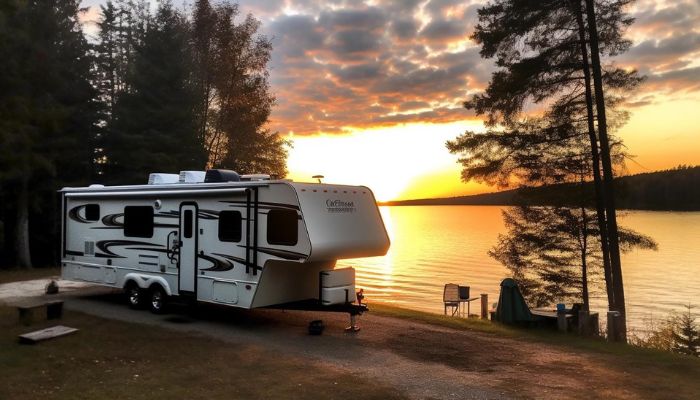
[369, 91]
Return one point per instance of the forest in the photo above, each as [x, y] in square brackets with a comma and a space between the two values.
[145, 90]
[675, 189]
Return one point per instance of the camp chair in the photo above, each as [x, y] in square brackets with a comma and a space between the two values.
[450, 297]
[512, 308]
[454, 296]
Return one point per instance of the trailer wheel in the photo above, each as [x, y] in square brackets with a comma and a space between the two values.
[157, 299]
[134, 295]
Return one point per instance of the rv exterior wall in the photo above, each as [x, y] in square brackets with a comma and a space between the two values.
[287, 233]
[343, 221]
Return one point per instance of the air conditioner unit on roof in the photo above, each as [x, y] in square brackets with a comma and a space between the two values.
[158, 178]
[192, 176]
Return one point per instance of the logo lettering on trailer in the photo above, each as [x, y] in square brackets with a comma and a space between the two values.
[340, 206]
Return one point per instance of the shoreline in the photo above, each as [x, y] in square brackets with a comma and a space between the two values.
[405, 353]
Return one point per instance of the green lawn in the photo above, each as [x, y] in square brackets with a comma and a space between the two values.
[115, 360]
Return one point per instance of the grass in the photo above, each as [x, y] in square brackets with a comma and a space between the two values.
[18, 274]
[655, 369]
[109, 359]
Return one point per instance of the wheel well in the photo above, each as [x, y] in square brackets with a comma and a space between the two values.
[130, 283]
[155, 286]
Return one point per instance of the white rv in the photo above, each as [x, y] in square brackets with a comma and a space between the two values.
[243, 241]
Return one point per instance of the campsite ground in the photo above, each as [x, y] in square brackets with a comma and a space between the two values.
[216, 352]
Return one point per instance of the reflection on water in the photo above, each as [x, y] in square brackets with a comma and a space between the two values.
[434, 245]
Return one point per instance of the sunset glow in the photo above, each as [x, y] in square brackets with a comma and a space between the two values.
[369, 91]
[402, 162]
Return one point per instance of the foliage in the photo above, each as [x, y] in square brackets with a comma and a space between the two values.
[538, 106]
[549, 249]
[48, 116]
[674, 189]
[677, 333]
[153, 123]
[234, 99]
[72, 112]
[686, 336]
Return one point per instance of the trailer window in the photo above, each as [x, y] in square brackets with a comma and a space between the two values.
[138, 221]
[230, 226]
[92, 212]
[282, 227]
[188, 224]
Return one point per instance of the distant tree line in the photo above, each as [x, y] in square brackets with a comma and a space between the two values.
[154, 91]
[676, 189]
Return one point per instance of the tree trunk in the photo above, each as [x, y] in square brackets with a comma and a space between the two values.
[595, 158]
[615, 264]
[22, 227]
[584, 265]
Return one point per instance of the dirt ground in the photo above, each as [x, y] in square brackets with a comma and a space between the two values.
[420, 360]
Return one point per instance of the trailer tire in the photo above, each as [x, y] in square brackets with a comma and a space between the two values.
[135, 296]
[157, 299]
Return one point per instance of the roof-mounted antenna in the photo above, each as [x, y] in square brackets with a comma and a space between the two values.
[319, 177]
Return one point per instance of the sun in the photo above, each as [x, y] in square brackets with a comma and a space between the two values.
[387, 160]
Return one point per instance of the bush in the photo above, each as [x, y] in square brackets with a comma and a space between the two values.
[677, 333]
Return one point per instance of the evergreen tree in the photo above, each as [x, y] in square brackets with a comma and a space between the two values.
[47, 117]
[153, 126]
[542, 59]
[686, 335]
[553, 251]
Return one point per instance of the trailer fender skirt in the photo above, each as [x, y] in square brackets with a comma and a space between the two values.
[145, 281]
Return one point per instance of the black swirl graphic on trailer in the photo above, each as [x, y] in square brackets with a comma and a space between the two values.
[104, 246]
[218, 264]
[110, 220]
[207, 214]
[286, 254]
[263, 205]
[74, 214]
[169, 214]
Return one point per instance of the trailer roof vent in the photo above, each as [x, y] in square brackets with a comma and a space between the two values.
[255, 177]
[221, 175]
[192, 176]
[158, 178]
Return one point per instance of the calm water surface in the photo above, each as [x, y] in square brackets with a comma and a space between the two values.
[434, 245]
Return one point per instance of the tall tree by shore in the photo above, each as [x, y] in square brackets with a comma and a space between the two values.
[541, 59]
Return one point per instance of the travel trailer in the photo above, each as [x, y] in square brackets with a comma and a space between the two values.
[245, 241]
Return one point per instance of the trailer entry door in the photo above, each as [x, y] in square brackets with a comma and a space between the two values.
[187, 263]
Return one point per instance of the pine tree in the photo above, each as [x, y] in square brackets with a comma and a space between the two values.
[153, 127]
[686, 335]
[47, 117]
[542, 59]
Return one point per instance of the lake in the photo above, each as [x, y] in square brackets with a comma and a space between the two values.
[434, 245]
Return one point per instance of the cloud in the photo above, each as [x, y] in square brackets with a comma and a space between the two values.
[443, 30]
[342, 64]
[682, 80]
